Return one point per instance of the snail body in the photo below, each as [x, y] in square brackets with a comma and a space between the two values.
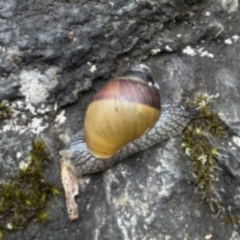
[121, 112]
[173, 120]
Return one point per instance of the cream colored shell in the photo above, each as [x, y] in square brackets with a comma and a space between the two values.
[110, 124]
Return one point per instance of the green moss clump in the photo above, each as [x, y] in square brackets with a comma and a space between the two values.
[5, 111]
[24, 198]
[202, 153]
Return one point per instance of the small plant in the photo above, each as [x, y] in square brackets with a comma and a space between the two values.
[24, 198]
[202, 153]
[5, 111]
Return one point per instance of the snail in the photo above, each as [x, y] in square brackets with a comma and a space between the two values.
[125, 117]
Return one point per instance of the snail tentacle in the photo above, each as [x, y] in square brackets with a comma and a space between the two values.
[174, 119]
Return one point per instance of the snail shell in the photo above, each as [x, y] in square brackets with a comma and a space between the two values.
[121, 112]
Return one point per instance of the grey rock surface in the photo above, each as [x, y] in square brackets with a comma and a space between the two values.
[54, 55]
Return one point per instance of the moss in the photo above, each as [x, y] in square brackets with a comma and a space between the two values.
[229, 219]
[5, 111]
[202, 153]
[24, 198]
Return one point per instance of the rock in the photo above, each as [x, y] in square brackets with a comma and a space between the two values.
[54, 55]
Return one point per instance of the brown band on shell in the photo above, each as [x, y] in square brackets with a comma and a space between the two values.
[132, 90]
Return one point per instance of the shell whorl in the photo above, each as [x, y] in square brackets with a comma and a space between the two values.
[173, 120]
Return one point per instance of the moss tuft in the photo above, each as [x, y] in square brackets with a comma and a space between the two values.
[5, 111]
[42, 217]
[229, 219]
[24, 198]
[202, 153]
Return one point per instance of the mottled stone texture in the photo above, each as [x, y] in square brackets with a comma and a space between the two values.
[53, 51]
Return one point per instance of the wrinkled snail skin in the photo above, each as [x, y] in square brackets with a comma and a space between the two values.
[173, 120]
